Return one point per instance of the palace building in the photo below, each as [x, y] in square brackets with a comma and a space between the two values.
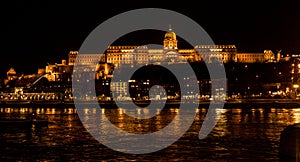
[144, 55]
[169, 53]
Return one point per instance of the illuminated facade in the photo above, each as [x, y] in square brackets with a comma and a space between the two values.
[59, 72]
[85, 59]
[170, 41]
[266, 56]
[169, 54]
[245, 78]
[223, 53]
[120, 89]
[11, 74]
[296, 72]
[131, 55]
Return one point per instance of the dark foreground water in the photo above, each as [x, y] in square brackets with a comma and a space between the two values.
[240, 135]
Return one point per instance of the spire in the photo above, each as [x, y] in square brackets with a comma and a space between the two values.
[170, 27]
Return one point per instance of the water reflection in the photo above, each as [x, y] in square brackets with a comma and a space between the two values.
[240, 134]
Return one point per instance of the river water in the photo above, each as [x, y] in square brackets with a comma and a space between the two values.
[241, 134]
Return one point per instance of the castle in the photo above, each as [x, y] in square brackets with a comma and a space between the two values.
[282, 76]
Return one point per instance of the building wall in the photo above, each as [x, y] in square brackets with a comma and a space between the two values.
[223, 53]
[250, 57]
[296, 71]
[72, 57]
[266, 56]
[59, 72]
[120, 89]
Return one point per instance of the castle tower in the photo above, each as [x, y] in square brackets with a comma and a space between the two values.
[170, 41]
[11, 74]
[72, 57]
[278, 56]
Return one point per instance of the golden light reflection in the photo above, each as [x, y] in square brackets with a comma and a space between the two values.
[15, 110]
[70, 118]
[285, 110]
[146, 111]
[53, 111]
[69, 124]
[86, 117]
[158, 122]
[48, 111]
[120, 111]
[23, 110]
[272, 116]
[86, 111]
[157, 111]
[261, 111]
[120, 125]
[70, 110]
[221, 128]
[139, 127]
[220, 111]
[273, 110]
[172, 110]
[176, 122]
[7, 110]
[235, 116]
[236, 111]
[94, 110]
[296, 115]
[222, 131]
[285, 116]
[138, 111]
[253, 112]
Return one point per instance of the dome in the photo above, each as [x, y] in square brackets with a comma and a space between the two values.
[170, 35]
[170, 41]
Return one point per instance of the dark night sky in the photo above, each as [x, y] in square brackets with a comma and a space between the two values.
[36, 32]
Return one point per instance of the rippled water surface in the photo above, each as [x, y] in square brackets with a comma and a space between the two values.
[240, 135]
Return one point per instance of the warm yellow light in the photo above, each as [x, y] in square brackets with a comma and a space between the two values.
[299, 66]
[296, 86]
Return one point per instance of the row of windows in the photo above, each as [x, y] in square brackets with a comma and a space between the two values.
[118, 88]
[249, 55]
[122, 47]
[87, 60]
[118, 83]
[110, 59]
[250, 59]
[215, 46]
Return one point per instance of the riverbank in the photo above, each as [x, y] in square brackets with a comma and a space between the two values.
[287, 103]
